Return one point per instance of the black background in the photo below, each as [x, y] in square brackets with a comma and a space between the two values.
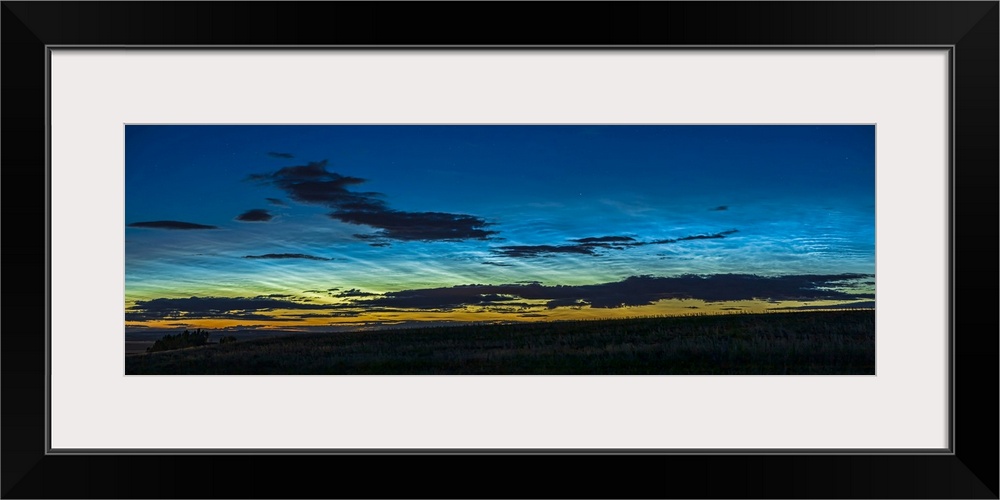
[972, 472]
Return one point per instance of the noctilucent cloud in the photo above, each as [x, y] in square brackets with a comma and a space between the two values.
[327, 227]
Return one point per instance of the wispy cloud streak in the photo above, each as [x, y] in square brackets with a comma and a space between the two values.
[285, 256]
[593, 245]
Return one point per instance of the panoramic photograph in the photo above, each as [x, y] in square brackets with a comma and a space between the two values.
[499, 250]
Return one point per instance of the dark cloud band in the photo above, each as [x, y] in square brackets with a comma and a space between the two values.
[170, 224]
[211, 308]
[418, 226]
[314, 184]
[633, 291]
[519, 298]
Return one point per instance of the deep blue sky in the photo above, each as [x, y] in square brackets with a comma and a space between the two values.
[379, 210]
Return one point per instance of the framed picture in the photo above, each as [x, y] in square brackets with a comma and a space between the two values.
[257, 186]
[540, 250]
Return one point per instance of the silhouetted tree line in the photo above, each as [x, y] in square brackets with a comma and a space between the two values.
[180, 341]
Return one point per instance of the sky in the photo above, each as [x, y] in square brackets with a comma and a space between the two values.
[340, 227]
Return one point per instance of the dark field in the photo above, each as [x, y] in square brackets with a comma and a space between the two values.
[800, 343]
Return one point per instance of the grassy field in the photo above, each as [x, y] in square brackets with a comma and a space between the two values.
[820, 343]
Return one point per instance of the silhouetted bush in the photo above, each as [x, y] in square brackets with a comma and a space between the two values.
[227, 339]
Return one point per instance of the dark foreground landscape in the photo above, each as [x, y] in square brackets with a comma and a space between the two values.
[800, 343]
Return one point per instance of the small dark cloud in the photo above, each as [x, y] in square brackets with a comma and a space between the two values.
[715, 236]
[851, 305]
[708, 236]
[313, 183]
[170, 224]
[501, 310]
[605, 239]
[345, 314]
[719, 208]
[237, 328]
[276, 201]
[543, 250]
[552, 304]
[255, 215]
[354, 292]
[586, 246]
[274, 154]
[498, 264]
[337, 314]
[858, 281]
[495, 297]
[373, 240]
[503, 306]
[285, 256]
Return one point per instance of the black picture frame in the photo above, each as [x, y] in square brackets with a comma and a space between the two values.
[969, 28]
